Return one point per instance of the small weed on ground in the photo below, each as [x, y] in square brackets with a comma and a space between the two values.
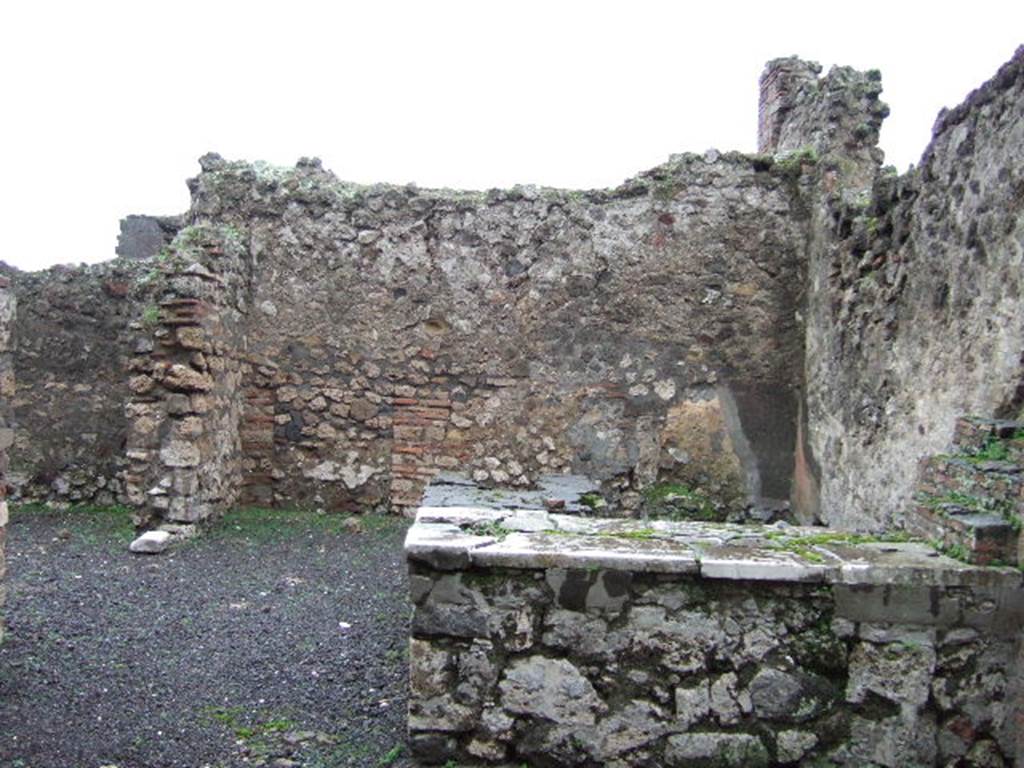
[264, 737]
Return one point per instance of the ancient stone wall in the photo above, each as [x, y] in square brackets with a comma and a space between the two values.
[914, 305]
[568, 642]
[71, 342]
[367, 338]
[8, 310]
[639, 333]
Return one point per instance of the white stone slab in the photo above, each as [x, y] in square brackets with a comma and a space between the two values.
[520, 550]
[758, 564]
[151, 543]
[457, 537]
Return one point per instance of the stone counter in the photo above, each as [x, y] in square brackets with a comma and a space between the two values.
[558, 640]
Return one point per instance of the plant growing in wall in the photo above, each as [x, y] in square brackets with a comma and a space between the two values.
[150, 316]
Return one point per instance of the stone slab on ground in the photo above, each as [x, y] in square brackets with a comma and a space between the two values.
[151, 543]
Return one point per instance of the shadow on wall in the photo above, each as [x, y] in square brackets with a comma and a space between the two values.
[732, 443]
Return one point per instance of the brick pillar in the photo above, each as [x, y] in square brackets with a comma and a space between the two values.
[781, 84]
[420, 449]
[262, 378]
[7, 312]
[184, 446]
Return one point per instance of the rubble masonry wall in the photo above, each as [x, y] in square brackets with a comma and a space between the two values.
[568, 642]
[797, 327]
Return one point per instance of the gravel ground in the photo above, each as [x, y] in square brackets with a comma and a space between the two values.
[277, 639]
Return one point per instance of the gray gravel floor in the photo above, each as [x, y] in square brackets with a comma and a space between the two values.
[277, 639]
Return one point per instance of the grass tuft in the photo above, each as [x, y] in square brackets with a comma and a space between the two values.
[260, 525]
[90, 523]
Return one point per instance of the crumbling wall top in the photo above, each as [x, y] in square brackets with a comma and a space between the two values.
[1008, 76]
[144, 236]
[837, 116]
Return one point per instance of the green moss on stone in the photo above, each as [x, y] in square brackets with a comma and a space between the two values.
[968, 502]
[666, 189]
[994, 449]
[676, 501]
[490, 528]
[839, 537]
[954, 550]
[792, 164]
[639, 533]
[804, 546]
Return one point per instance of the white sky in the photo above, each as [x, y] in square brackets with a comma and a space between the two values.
[107, 105]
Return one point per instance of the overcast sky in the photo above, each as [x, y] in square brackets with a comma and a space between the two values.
[107, 105]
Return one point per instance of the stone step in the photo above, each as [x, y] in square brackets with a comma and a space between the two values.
[971, 501]
[940, 474]
[973, 433]
[978, 537]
